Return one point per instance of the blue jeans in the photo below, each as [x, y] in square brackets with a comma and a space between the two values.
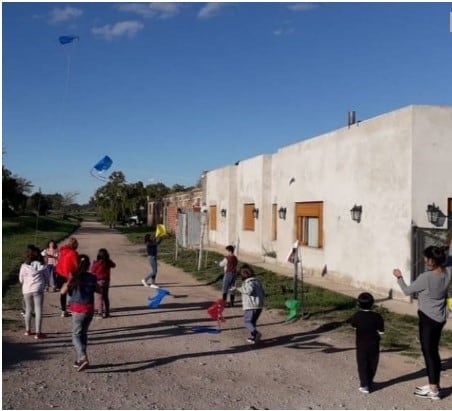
[80, 325]
[153, 263]
[250, 318]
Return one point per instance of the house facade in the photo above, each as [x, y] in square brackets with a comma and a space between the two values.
[391, 167]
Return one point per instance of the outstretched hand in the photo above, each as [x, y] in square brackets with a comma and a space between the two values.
[397, 273]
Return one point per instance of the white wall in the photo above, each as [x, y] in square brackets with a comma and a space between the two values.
[385, 164]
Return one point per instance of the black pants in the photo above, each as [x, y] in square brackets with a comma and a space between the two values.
[429, 335]
[367, 356]
[60, 280]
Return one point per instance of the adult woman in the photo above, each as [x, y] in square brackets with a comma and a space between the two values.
[67, 264]
[32, 277]
[432, 287]
[81, 288]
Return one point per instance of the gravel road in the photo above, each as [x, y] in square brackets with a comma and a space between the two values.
[145, 358]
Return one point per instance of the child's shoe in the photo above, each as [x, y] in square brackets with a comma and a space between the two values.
[364, 390]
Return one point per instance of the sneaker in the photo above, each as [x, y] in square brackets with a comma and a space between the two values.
[251, 340]
[154, 285]
[64, 314]
[76, 364]
[27, 332]
[144, 283]
[22, 313]
[83, 364]
[258, 336]
[423, 389]
[40, 336]
[430, 395]
[364, 390]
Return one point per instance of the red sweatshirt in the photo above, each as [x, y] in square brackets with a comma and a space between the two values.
[101, 269]
[68, 261]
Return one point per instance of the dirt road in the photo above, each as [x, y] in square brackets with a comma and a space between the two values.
[145, 358]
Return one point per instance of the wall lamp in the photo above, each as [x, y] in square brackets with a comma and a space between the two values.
[223, 212]
[434, 215]
[282, 213]
[356, 212]
[255, 212]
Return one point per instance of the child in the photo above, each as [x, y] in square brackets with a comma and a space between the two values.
[252, 301]
[101, 268]
[50, 254]
[81, 287]
[229, 263]
[152, 244]
[369, 326]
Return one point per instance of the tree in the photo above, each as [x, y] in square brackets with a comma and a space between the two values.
[14, 190]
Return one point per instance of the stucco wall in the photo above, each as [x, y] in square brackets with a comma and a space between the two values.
[383, 164]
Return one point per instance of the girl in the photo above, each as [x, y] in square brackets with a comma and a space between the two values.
[101, 268]
[32, 277]
[432, 287]
[50, 255]
[81, 288]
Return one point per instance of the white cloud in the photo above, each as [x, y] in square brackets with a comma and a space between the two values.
[302, 6]
[210, 10]
[126, 28]
[67, 13]
[157, 10]
[283, 31]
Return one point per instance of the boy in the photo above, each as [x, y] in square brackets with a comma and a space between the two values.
[369, 326]
[229, 263]
[252, 301]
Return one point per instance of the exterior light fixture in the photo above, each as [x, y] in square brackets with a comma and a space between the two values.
[356, 212]
[282, 213]
[433, 214]
[256, 213]
[223, 212]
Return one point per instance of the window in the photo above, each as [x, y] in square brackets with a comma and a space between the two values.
[310, 224]
[248, 217]
[213, 217]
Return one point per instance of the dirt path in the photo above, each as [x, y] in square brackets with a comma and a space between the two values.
[153, 359]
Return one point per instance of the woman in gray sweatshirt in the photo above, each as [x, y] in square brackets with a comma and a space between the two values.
[432, 287]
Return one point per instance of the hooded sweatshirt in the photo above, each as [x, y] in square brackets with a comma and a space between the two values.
[67, 262]
[252, 294]
[32, 277]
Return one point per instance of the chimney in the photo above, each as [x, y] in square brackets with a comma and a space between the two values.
[351, 118]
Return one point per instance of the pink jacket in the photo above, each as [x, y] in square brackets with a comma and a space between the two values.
[32, 277]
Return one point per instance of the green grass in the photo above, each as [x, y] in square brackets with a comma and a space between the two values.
[320, 305]
[18, 232]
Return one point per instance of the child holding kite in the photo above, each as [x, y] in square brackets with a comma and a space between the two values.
[253, 296]
[152, 244]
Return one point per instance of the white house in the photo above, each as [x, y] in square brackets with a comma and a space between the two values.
[393, 166]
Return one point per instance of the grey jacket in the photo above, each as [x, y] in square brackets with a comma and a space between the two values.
[432, 289]
[252, 294]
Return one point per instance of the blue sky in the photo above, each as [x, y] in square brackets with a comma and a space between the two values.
[170, 89]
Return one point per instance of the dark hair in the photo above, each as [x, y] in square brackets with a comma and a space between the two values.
[246, 271]
[230, 248]
[365, 301]
[76, 279]
[103, 255]
[437, 254]
[54, 243]
[33, 253]
[147, 238]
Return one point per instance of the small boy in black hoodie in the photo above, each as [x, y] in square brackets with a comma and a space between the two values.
[369, 326]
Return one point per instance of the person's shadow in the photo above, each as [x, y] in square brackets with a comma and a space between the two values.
[445, 391]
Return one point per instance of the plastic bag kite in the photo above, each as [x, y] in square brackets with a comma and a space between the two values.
[293, 306]
[101, 166]
[160, 230]
[67, 39]
[154, 302]
[216, 311]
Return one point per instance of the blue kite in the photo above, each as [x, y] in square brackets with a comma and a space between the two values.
[102, 165]
[67, 39]
[154, 302]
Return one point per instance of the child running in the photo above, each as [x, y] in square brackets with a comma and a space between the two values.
[101, 268]
[253, 296]
[81, 288]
